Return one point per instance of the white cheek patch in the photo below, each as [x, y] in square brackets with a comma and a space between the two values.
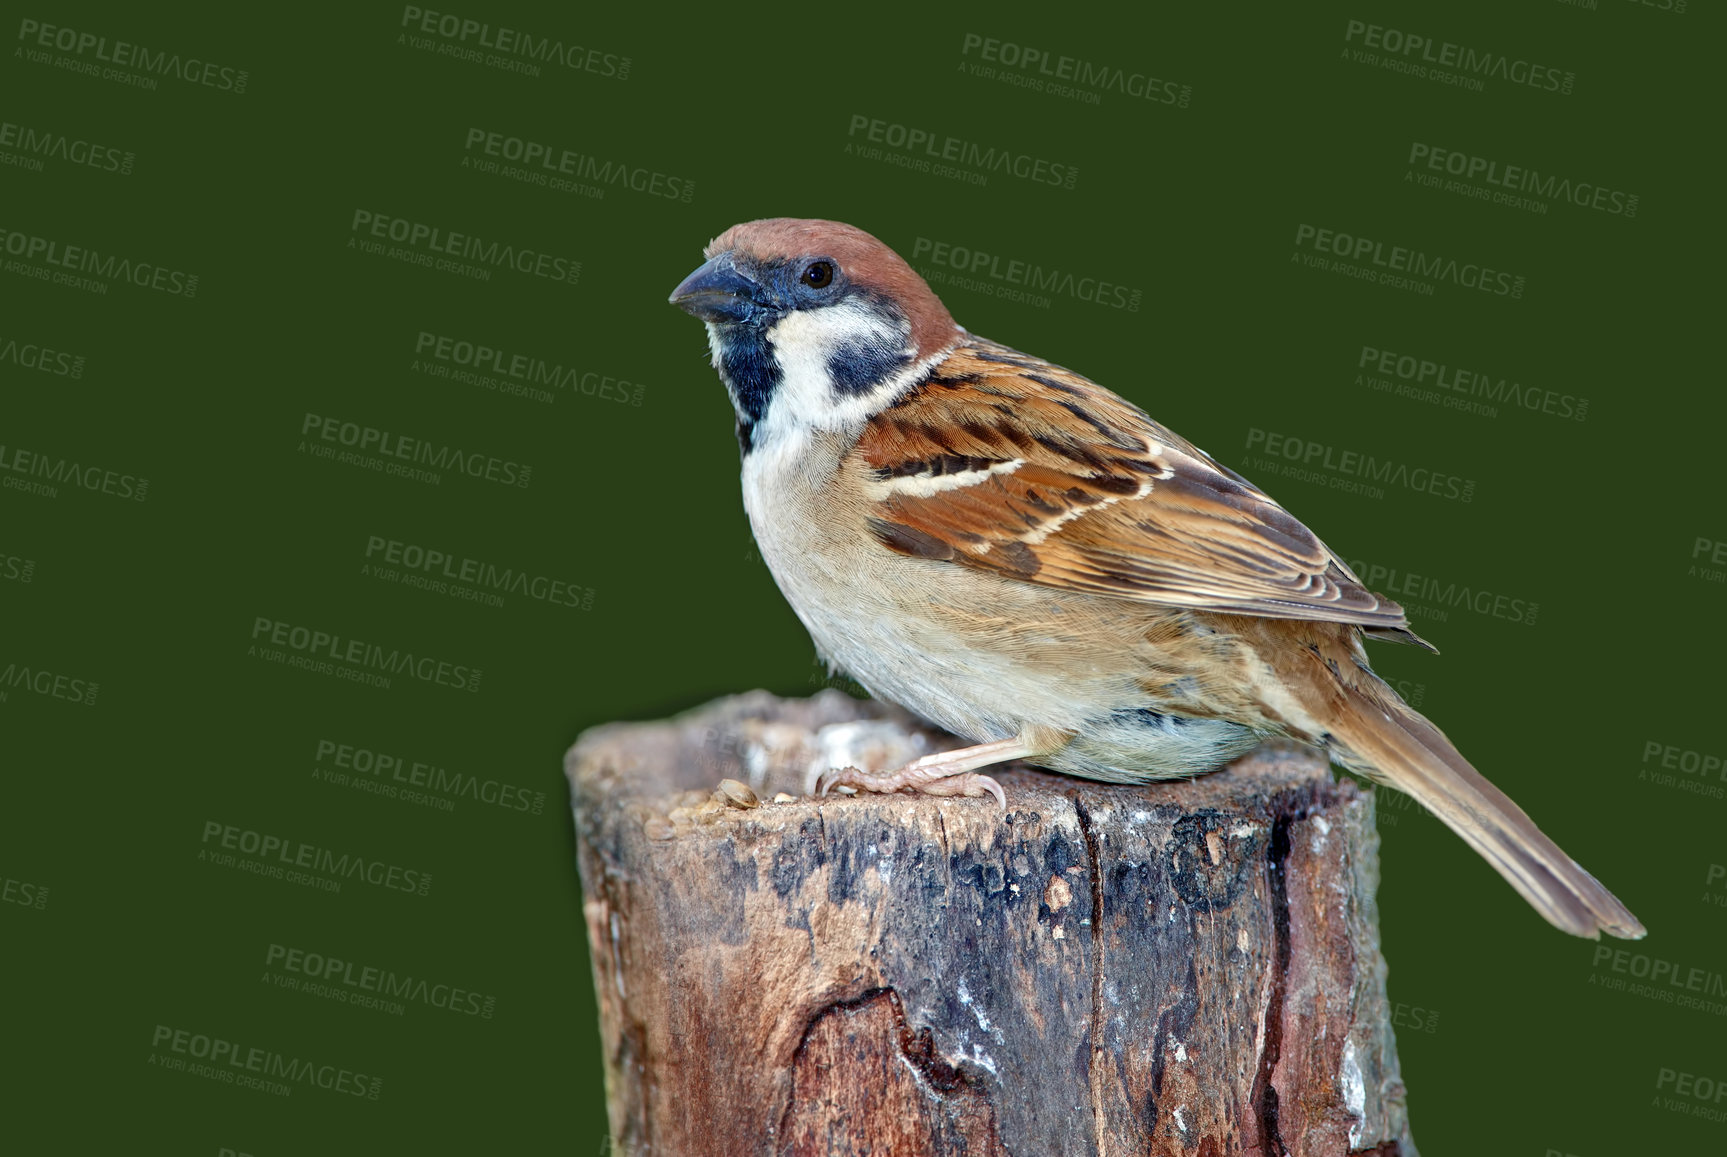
[806, 399]
[805, 342]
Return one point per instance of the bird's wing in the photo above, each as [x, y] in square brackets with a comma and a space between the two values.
[1007, 463]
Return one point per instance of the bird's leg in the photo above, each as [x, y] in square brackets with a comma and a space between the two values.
[944, 773]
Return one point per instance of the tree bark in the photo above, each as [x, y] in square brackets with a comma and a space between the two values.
[1175, 968]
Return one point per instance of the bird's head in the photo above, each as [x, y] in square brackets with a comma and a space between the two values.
[813, 324]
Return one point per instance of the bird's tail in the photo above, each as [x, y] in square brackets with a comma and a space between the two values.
[1377, 734]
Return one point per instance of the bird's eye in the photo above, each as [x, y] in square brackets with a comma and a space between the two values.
[819, 275]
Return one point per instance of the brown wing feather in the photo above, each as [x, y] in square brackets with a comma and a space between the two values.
[1102, 499]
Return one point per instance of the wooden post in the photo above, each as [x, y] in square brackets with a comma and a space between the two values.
[1180, 968]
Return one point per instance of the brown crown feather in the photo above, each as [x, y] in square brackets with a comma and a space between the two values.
[865, 260]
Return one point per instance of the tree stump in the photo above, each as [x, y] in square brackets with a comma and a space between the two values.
[1177, 968]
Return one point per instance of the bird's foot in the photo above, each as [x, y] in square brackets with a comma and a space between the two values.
[965, 783]
[947, 773]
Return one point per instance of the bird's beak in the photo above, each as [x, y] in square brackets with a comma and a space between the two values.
[718, 292]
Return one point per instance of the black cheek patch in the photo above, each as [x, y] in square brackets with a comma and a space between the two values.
[858, 367]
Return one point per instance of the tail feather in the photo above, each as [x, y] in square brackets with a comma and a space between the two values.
[1380, 736]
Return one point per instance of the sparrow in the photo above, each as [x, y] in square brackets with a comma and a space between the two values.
[1028, 560]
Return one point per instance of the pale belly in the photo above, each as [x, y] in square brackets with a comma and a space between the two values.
[984, 656]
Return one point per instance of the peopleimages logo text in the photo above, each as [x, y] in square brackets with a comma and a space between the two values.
[1415, 262]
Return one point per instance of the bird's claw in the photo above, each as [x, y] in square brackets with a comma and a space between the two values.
[967, 783]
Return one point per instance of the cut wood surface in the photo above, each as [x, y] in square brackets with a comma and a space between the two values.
[1177, 968]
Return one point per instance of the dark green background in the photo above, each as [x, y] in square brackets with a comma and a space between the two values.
[1197, 207]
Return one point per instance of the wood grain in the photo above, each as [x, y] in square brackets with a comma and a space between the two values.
[1179, 968]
